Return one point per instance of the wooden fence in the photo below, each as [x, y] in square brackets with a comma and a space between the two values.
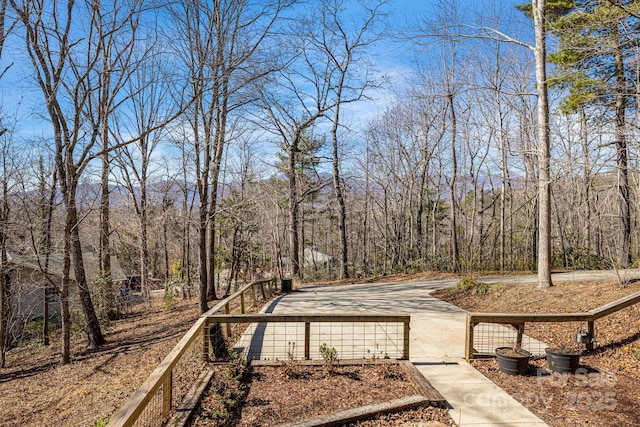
[355, 336]
[152, 403]
[518, 322]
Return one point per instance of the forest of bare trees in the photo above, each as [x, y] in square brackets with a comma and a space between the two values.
[210, 142]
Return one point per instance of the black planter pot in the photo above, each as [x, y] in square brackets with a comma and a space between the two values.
[513, 364]
[562, 360]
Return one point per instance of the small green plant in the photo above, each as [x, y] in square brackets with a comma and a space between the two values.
[330, 357]
[101, 422]
[378, 354]
[169, 299]
[292, 366]
[467, 283]
[237, 364]
[229, 390]
[78, 323]
[33, 329]
[480, 289]
[103, 292]
[497, 287]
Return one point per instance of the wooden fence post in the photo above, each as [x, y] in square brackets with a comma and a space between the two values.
[242, 307]
[520, 328]
[167, 394]
[405, 351]
[205, 342]
[591, 330]
[307, 340]
[227, 310]
[468, 351]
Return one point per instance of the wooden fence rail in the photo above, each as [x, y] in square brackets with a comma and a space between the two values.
[161, 379]
[307, 320]
[519, 320]
[154, 400]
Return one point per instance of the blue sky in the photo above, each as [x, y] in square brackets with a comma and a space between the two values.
[396, 60]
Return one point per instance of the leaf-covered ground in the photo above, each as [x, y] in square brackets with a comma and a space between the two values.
[605, 391]
[272, 395]
[36, 391]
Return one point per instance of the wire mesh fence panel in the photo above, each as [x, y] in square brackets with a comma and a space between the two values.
[300, 340]
[151, 416]
[186, 371]
[358, 340]
[150, 406]
[489, 336]
[273, 341]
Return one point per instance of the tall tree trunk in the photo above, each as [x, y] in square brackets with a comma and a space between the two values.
[586, 167]
[105, 228]
[338, 190]
[203, 163]
[104, 251]
[365, 222]
[166, 204]
[94, 333]
[294, 245]
[422, 203]
[144, 238]
[455, 253]
[203, 215]
[622, 155]
[6, 300]
[45, 213]
[65, 344]
[544, 156]
[186, 235]
[218, 150]
[503, 185]
[211, 239]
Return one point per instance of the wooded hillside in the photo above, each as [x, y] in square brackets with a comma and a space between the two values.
[209, 142]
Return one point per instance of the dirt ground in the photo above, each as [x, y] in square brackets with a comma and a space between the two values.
[36, 391]
[605, 389]
[294, 392]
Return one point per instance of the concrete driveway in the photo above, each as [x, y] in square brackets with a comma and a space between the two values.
[437, 337]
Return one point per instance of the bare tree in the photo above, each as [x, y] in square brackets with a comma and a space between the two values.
[66, 65]
[149, 106]
[115, 62]
[297, 99]
[49, 43]
[344, 38]
[223, 42]
[5, 297]
[543, 250]
[9, 164]
[446, 27]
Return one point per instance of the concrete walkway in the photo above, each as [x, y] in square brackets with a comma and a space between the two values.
[436, 339]
[436, 344]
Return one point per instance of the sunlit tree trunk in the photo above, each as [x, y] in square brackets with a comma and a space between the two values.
[543, 152]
